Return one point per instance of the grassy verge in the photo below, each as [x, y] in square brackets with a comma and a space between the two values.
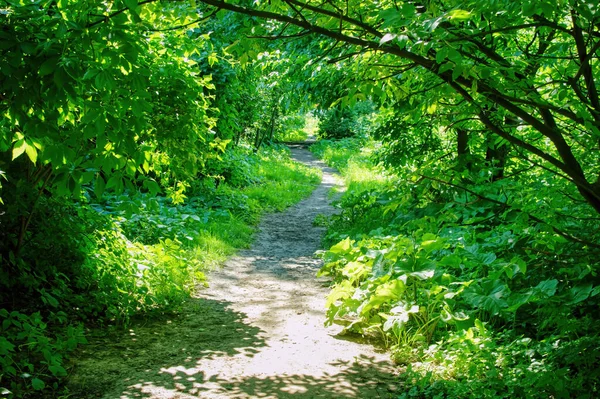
[353, 158]
[297, 128]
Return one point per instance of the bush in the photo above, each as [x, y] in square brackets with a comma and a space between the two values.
[338, 123]
[31, 354]
[235, 167]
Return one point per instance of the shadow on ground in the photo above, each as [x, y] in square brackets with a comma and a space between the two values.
[207, 329]
[358, 380]
[164, 358]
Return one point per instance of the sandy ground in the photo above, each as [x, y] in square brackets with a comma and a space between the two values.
[256, 332]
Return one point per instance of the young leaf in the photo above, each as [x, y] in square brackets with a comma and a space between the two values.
[31, 152]
[19, 148]
[341, 247]
[459, 15]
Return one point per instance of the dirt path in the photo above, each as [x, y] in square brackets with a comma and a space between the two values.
[257, 332]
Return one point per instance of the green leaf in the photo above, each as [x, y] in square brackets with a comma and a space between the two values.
[19, 148]
[446, 67]
[105, 80]
[420, 268]
[114, 181]
[458, 69]
[547, 287]
[152, 186]
[460, 15]
[57, 370]
[60, 77]
[131, 4]
[388, 292]
[515, 301]
[454, 55]
[432, 243]
[489, 296]
[341, 247]
[31, 153]
[340, 291]
[48, 66]
[38, 384]
[99, 186]
[441, 55]
[90, 73]
[579, 293]
[51, 300]
[5, 345]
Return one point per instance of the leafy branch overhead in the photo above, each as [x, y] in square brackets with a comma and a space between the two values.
[509, 65]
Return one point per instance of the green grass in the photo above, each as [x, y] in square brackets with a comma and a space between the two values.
[285, 182]
[353, 158]
[296, 135]
[300, 129]
[220, 240]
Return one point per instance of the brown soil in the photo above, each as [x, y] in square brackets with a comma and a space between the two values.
[257, 332]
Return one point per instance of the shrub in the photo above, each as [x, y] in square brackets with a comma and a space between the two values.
[338, 123]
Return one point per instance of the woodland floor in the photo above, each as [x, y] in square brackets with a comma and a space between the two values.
[257, 332]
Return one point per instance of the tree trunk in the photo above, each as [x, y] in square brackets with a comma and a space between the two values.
[496, 157]
[462, 148]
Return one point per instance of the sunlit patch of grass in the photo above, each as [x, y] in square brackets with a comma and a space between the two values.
[222, 239]
[353, 159]
[284, 181]
[296, 135]
[362, 175]
[305, 126]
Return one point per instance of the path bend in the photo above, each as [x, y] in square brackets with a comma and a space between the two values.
[257, 331]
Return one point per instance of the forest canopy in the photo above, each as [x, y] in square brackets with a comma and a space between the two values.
[483, 117]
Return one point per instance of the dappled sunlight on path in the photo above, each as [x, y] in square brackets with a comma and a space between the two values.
[257, 332]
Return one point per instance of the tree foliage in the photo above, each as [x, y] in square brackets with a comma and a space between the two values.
[506, 65]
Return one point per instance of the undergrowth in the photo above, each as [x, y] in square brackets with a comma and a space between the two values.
[293, 128]
[101, 263]
[475, 299]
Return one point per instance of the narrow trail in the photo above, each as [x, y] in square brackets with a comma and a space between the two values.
[257, 332]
